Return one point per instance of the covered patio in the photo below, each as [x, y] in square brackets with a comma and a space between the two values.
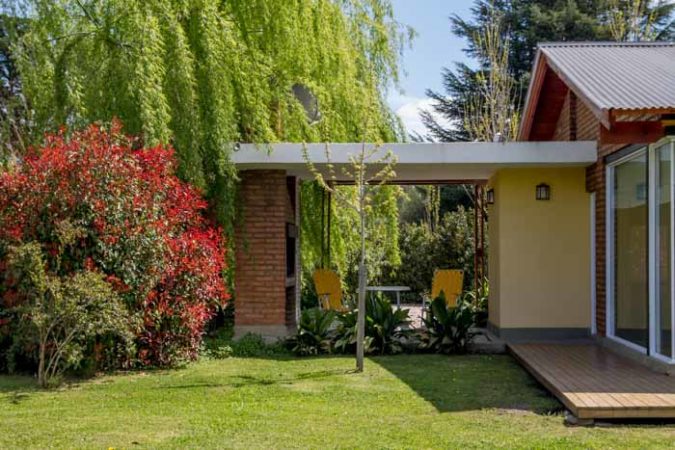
[267, 283]
[539, 260]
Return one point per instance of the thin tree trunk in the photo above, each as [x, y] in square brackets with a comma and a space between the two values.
[42, 381]
[361, 318]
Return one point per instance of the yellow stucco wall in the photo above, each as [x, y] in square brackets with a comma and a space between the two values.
[539, 258]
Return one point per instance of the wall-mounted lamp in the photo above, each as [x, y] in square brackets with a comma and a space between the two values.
[490, 196]
[543, 191]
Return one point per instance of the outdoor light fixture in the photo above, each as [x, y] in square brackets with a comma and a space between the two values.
[491, 196]
[543, 191]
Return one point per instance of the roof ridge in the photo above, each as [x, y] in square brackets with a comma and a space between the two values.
[607, 44]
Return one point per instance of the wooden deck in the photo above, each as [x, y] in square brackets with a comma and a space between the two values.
[594, 383]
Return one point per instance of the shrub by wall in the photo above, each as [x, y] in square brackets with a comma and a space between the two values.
[126, 216]
[450, 246]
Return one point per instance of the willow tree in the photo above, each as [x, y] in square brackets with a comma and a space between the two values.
[204, 74]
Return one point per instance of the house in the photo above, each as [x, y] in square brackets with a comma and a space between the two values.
[581, 225]
[622, 96]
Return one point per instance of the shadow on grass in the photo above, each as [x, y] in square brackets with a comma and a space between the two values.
[471, 382]
[15, 389]
[242, 381]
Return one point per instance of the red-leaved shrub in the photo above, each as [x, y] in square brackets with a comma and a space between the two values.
[126, 215]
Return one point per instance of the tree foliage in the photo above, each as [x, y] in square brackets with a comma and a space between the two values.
[205, 74]
[525, 23]
[15, 120]
[61, 315]
[93, 203]
[423, 250]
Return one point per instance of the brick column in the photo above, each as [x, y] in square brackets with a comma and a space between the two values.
[260, 239]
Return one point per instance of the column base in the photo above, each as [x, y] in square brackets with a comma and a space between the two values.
[270, 333]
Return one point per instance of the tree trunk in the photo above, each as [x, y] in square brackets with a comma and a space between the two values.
[361, 318]
[42, 376]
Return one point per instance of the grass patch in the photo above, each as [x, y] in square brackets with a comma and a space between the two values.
[404, 401]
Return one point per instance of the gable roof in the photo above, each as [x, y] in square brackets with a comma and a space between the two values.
[610, 77]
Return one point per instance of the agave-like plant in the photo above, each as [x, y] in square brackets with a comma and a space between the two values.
[315, 332]
[478, 301]
[448, 329]
[386, 328]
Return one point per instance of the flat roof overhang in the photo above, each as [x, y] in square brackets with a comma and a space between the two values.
[421, 162]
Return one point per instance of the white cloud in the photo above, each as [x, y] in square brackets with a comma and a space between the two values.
[409, 109]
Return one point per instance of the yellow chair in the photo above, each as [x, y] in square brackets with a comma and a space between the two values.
[329, 289]
[450, 282]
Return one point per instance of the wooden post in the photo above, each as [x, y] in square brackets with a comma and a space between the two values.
[477, 206]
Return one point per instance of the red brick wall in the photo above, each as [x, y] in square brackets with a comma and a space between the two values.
[260, 239]
[577, 121]
[562, 128]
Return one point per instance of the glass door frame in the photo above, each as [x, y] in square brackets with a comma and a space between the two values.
[633, 153]
[652, 252]
[654, 258]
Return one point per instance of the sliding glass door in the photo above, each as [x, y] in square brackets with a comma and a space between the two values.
[640, 250]
[629, 223]
[663, 255]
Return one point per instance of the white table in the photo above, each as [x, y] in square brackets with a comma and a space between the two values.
[396, 289]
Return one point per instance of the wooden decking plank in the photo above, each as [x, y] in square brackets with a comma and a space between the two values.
[564, 377]
[525, 359]
[620, 381]
[623, 383]
[593, 382]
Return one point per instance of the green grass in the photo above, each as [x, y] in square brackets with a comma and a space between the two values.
[417, 401]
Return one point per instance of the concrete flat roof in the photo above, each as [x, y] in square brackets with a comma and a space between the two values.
[454, 161]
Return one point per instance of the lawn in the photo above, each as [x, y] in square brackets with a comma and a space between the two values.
[417, 401]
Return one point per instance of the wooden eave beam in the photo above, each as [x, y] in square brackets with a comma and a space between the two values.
[645, 132]
[603, 115]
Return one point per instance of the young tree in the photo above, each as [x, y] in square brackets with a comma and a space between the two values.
[62, 314]
[490, 111]
[365, 181]
[639, 20]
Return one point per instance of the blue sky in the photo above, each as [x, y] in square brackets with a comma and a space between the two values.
[434, 48]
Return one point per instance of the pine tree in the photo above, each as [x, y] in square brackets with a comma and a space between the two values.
[525, 24]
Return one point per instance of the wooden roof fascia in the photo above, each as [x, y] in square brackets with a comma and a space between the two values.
[533, 94]
[603, 115]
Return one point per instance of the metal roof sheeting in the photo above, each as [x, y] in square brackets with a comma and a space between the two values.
[617, 76]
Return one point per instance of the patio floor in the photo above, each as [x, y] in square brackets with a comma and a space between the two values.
[594, 383]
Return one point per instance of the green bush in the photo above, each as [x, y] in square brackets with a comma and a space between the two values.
[218, 345]
[423, 250]
[478, 301]
[448, 330]
[386, 328]
[315, 332]
[254, 346]
[62, 316]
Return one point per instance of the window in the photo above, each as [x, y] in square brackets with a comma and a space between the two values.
[640, 249]
[629, 222]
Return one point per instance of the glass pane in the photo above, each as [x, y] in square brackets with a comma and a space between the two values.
[663, 294]
[630, 251]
